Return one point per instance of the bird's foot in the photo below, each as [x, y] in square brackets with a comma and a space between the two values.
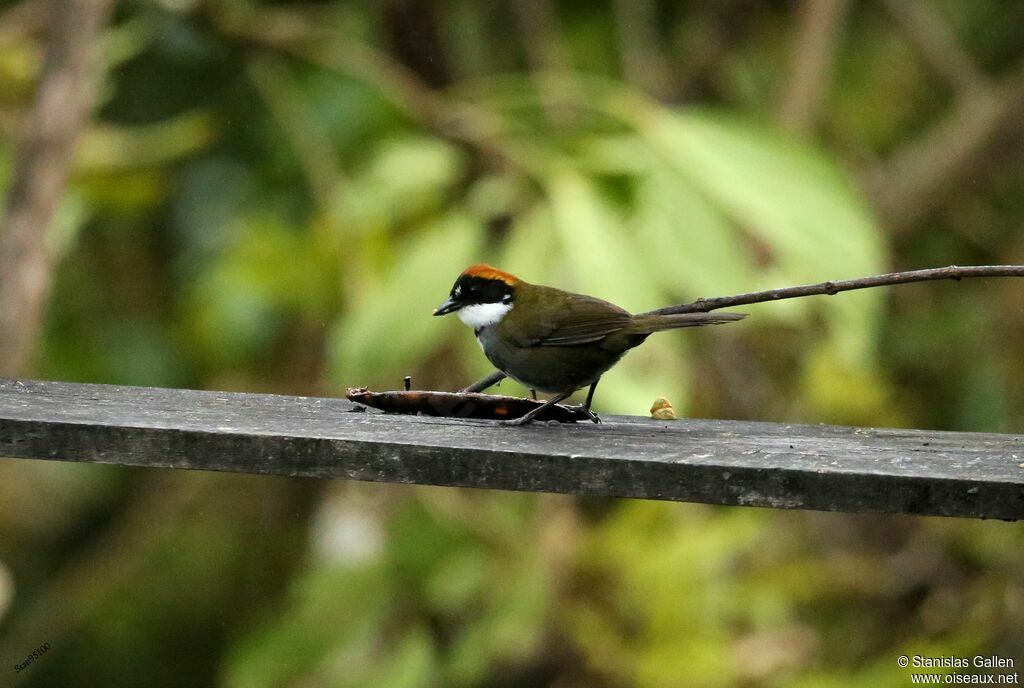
[591, 416]
[523, 420]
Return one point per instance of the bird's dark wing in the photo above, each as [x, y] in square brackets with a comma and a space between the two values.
[584, 329]
[586, 320]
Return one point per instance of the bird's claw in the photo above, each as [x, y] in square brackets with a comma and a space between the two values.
[523, 420]
[583, 410]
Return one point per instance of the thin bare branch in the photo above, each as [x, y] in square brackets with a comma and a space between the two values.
[953, 272]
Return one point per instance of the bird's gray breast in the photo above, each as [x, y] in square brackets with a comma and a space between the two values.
[545, 369]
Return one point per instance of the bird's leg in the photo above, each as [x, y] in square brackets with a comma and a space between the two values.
[590, 395]
[526, 418]
[480, 385]
[586, 404]
[533, 393]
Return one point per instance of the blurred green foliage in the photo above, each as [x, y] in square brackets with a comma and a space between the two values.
[273, 196]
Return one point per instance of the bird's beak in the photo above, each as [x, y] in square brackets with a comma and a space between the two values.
[447, 307]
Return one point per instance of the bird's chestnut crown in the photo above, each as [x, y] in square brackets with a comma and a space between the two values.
[477, 285]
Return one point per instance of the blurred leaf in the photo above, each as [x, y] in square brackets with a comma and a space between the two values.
[622, 154]
[108, 147]
[389, 328]
[601, 261]
[19, 64]
[532, 249]
[72, 214]
[791, 199]
[269, 273]
[406, 178]
[841, 394]
[458, 581]
[694, 250]
[508, 628]
[356, 115]
[498, 196]
[211, 194]
[331, 624]
[674, 593]
[411, 664]
[126, 41]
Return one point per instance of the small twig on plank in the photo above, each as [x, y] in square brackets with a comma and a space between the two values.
[462, 405]
[953, 272]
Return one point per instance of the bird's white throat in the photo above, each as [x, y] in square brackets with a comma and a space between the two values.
[483, 314]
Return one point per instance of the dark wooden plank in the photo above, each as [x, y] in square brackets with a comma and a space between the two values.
[717, 462]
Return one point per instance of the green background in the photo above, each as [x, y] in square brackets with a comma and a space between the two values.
[273, 196]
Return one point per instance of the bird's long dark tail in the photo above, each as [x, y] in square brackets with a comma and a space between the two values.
[646, 324]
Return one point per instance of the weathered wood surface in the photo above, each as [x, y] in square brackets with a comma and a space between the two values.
[717, 462]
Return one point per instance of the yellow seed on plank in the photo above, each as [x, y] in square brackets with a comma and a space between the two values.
[662, 410]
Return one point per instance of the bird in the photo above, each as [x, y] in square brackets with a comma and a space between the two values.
[550, 340]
